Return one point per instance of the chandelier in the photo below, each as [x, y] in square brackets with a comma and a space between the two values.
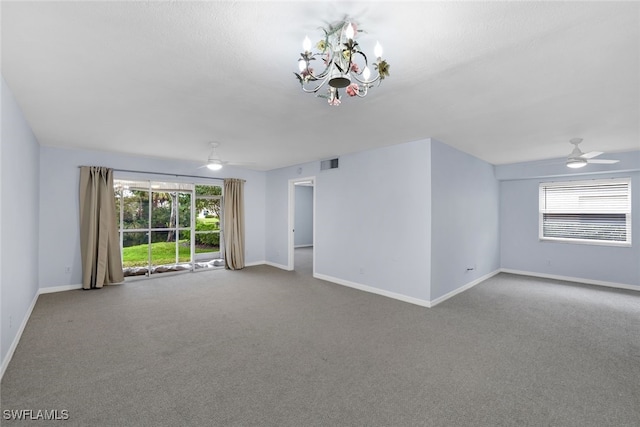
[344, 65]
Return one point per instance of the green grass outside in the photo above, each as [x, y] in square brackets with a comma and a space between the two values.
[213, 220]
[161, 253]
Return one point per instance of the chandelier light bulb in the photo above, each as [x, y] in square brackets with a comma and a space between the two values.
[302, 65]
[349, 32]
[306, 44]
[377, 51]
[366, 73]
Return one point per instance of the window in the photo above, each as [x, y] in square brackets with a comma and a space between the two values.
[593, 212]
[168, 226]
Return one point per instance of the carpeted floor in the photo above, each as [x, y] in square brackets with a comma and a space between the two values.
[303, 261]
[266, 347]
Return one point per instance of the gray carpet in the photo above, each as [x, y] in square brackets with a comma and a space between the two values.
[265, 347]
[303, 261]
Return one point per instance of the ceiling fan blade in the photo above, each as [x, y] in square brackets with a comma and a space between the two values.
[603, 161]
[591, 154]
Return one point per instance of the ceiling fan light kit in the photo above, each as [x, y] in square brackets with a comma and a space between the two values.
[576, 163]
[345, 64]
[214, 165]
[214, 162]
[578, 159]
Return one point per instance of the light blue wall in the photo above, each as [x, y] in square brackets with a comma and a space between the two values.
[464, 219]
[19, 181]
[59, 183]
[372, 218]
[522, 250]
[303, 235]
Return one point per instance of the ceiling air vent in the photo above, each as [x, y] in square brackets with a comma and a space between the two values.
[329, 164]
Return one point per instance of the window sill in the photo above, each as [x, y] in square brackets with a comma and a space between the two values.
[585, 242]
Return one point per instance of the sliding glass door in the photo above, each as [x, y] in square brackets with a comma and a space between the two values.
[208, 226]
[168, 226]
[132, 204]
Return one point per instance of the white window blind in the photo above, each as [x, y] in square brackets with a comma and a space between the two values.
[597, 211]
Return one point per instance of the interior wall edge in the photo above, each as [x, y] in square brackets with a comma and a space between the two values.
[373, 290]
[18, 335]
[464, 288]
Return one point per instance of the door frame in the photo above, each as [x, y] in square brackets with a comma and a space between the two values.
[291, 220]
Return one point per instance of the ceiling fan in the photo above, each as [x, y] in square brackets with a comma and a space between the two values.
[578, 159]
[214, 162]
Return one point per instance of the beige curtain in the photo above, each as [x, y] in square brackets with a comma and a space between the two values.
[101, 260]
[233, 228]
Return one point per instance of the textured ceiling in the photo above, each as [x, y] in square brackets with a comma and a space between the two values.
[504, 81]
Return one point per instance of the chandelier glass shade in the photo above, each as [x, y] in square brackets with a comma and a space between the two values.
[342, 63]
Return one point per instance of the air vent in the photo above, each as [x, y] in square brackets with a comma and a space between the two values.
[329, 164]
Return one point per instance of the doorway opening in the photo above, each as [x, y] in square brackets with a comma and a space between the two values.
[301, 248]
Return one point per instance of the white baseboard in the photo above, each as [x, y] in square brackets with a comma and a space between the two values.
[366, 288]
[52, 289]
[463, 288]
[281, 266]
[253, 264]
[572, 279]
[16, 340]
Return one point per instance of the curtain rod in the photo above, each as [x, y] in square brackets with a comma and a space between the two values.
[162, 173]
